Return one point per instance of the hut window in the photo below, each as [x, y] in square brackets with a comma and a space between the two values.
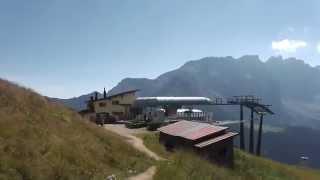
[115, 102]
[102, 104]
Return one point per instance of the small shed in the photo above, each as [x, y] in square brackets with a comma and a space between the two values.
[212, 142]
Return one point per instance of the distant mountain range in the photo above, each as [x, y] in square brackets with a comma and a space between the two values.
[290, 85]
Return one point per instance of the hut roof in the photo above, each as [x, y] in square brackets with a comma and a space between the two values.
[191, 130]
[216, 139]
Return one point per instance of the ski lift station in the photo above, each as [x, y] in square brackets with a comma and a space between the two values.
[193, 126]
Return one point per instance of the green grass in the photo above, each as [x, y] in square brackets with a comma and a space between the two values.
[187, 165]
[42, 140]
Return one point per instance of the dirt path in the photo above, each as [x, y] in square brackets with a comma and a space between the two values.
[138, 144]
[133, 140]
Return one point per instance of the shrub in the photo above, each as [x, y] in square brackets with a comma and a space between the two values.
[154, 125]
[135, 125]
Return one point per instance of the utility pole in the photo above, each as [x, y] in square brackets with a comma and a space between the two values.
[258, 150]
[251, 136]
[242, 144]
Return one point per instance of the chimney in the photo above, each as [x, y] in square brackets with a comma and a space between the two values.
[95, 95]
[104, 93]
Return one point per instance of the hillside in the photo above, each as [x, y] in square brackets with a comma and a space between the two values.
[43, 140]
[183, 165]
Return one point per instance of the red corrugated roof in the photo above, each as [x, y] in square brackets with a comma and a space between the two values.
[216, 139]
[191, 130]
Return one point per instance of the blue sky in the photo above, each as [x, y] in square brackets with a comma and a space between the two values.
[65, 48]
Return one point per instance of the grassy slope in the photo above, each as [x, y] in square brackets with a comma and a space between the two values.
[186, 165]
[42, 140]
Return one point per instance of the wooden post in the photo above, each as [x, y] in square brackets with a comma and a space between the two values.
[251, 136]
[242, 144]
[258, 150]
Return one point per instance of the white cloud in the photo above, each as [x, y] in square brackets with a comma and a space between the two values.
[287, 45]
